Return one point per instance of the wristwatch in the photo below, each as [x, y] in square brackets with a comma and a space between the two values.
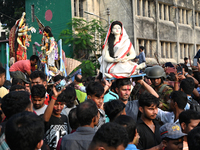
[186, 74]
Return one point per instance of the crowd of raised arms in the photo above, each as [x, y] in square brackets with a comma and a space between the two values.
[158, 111]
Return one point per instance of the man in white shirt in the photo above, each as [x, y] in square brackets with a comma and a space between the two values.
[38, 97]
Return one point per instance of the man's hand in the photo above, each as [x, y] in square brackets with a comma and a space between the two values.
[107, 83]
[77, 87]
[55, 92]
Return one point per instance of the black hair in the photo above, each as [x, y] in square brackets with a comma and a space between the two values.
[73, 120]
[69, 94]
[15, 102]
[47, 29]
[147, 99]
[38, 90]
[90, 78]
[58, 77]
[180, 98]
[142, 47]
[122, 82]
[16, 81]
[7, 84]
[111, 38]
[187, 85]
[113, 87]
[95, 88]
[86, 111]
[111, 135]
[113, 108]
[188, 115]
[185, 58]
[193, 139]
[33, 57]
[77, 78]
[24, 131]
[129, 124]
[61, 97]
[16, 87]
[36, 74]
[2, 71]
[99, 77]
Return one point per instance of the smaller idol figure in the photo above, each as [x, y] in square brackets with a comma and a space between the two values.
[50, 48]
[118, 53]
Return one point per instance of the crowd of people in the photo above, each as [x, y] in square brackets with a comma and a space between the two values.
[159, 111]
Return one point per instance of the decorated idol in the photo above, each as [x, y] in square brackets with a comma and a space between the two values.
[117, 54]
[19, 39]
[50, 48]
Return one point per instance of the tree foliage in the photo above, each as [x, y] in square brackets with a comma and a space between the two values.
[12, 11]
[84, 35]
[87, 38]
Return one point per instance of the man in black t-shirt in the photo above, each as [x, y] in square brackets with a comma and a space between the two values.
[56, 124]
[147, 126]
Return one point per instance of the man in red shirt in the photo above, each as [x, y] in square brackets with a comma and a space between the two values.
[23, 66]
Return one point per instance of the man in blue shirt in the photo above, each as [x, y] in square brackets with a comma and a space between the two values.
[141, 55]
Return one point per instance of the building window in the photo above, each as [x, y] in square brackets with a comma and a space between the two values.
[197, 19]
[167, 49]
[184, 16]
[32, 13]
[166, 12]
[185, 50]
[145, 8]
[75, 13]
[80, 8]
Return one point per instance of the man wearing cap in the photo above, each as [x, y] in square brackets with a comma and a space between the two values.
[20, 79]
[172, 136]
[23, 66]
[157, 75]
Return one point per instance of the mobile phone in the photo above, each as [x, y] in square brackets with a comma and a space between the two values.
[180, 69]
[61, 85]
[195, 62]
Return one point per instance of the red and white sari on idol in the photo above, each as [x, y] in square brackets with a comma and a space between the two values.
[121, 49]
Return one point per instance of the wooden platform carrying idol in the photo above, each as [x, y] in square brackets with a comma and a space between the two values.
[117, 54]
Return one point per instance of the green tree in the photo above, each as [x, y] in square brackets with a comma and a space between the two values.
[87, 38]
[10, 11]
